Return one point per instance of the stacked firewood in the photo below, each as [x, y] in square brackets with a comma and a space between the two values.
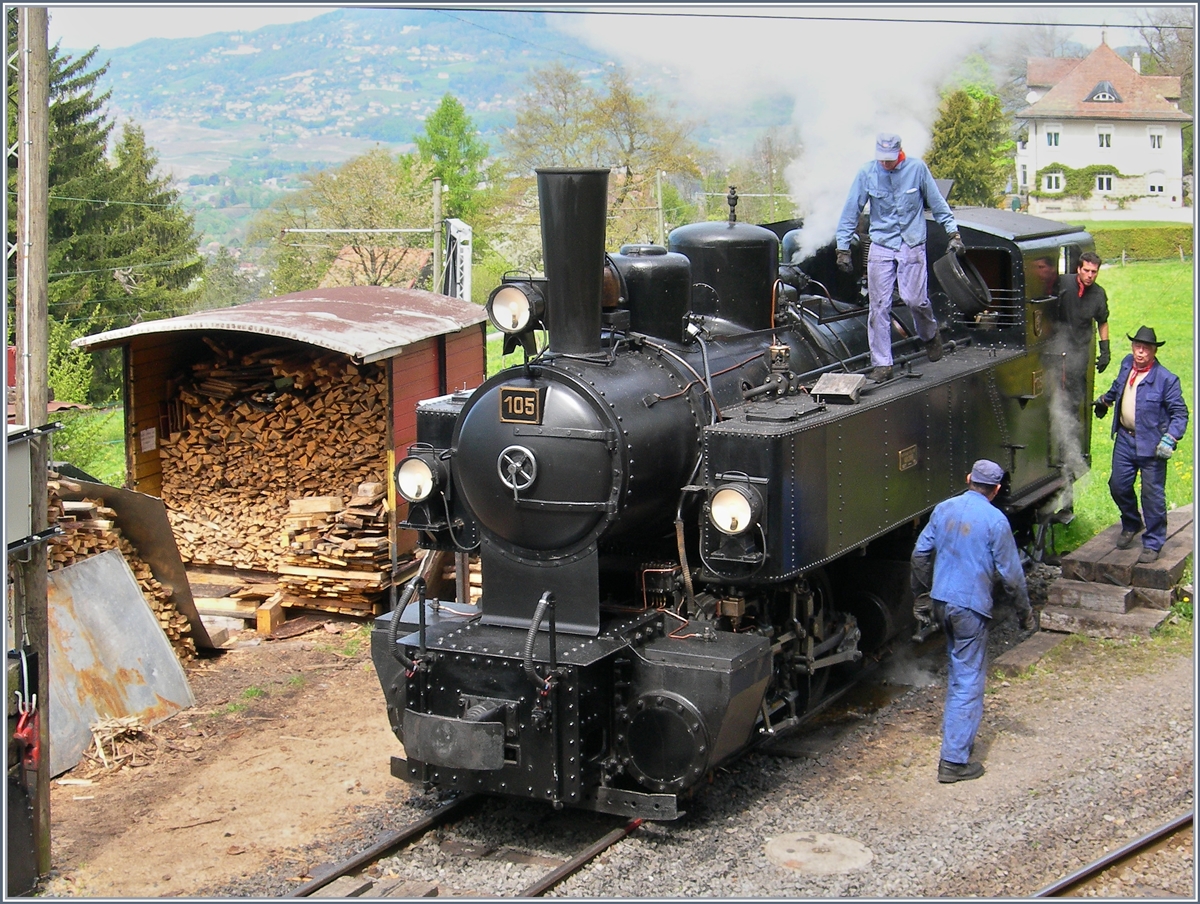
[89, 528]
[338, 552]
[250, 432]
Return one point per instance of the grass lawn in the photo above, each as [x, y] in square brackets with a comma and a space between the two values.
[1095, 226]
[1158, 294]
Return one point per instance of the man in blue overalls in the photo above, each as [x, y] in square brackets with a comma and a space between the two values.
[968, 545]
[899, 189]
[1151, 419]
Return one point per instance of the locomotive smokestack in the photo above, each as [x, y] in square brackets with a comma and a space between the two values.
[574, 206]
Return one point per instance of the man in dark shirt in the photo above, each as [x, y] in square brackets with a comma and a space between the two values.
[1081, 302]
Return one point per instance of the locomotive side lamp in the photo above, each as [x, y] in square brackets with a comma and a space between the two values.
[516, 306]
[418, 475]
[735, 508]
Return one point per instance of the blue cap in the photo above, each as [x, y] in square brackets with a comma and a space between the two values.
[987, 473]
[887, 146]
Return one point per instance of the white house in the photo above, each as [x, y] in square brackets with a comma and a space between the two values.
[1102, 116]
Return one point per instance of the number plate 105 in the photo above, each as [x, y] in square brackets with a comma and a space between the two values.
[522, 404]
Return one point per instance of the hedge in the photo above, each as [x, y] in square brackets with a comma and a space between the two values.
[1144, 243]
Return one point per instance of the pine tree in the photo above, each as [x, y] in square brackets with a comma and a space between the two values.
[972, 145]
[451, 145]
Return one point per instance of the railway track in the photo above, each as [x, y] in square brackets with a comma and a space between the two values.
[1110, 864]
[350, 877]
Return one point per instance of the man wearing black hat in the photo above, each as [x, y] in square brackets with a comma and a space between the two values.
[968, 546]
[1151, 419]
[899, 189]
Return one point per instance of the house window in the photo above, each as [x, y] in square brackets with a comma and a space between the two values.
[1155, 184]
[1104, 183]
[1156, 141]
[1052, 138]
[1052, 182]
[1024, 174]
[1104, 92]
[1104, 135]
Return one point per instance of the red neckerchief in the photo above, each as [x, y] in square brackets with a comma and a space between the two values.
[1080, 283]
[1135, 370]
[900, 159]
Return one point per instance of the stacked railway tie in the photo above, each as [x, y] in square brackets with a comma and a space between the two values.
[250, 433]
[89, 528]
[338, 556]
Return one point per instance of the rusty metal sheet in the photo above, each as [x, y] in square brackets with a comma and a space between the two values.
[368, 323]
[143, 519]
[108, 656]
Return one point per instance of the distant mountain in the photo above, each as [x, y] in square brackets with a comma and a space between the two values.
[328, 88]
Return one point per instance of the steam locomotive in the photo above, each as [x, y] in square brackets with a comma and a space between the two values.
[690, 507]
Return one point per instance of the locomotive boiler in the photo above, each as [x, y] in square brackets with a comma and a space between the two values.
[689, 506]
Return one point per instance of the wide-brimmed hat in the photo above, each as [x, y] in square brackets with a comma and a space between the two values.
[887, 146]
[1146, 336]
[987, 473]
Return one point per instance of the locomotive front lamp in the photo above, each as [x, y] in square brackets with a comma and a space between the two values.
[735, 508]
[515, 307]
[417, 476]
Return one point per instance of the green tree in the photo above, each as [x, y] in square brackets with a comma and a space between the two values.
[972, 145]
[562, 121]
[224, 285]
[1170, 37]
[452, 148]
[375, 190]
[120, 246]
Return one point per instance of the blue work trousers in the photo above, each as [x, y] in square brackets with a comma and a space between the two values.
[1126, 464]
[966, 643]
[886, 268]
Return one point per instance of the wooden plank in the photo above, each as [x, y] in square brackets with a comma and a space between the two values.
[226, 606]
[344, 574]
[1028, 652]
[1089, 595]
[312, 504]
[1168, 569]
[1093, 623]
[270, 615]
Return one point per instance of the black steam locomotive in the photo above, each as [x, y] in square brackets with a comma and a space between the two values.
[690, 507]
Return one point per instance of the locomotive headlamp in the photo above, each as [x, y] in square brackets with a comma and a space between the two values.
[417, 476]
[735, 508]
[515, 307]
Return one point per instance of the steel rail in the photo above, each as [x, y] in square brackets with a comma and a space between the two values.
[552, 878]
[1109, 859]
[385, 844]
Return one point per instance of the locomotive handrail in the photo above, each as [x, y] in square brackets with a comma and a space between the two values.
[551, 505]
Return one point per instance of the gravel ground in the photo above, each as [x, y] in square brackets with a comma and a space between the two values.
[1091, 750]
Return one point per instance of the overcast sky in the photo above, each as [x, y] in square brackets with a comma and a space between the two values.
[82, 26]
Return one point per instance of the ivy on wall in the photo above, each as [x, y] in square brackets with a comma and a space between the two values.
[1077, 183]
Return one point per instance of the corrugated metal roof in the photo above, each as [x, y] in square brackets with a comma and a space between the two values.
[367, 323]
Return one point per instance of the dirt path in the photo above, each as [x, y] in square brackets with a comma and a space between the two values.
[287, 739]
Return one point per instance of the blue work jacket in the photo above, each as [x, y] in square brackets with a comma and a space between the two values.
[898, 201]
[1159, 407]
[971, 546]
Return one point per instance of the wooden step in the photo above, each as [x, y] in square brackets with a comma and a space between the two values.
[1166, 572]
[1094, 623]
[1089, 595]
[1099, 559]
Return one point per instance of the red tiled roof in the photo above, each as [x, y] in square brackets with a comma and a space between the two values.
[1042, 72]
[1142, 97]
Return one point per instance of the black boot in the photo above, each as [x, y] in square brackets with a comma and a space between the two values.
[958, 772]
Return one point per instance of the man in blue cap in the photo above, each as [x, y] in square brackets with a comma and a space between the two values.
[899, 189]
[967, 547]
[1151, 419]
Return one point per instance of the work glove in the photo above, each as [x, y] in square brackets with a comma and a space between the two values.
[1029, 620]
[1166, 447]
[956, 244]
[1100, 407]
[1103, 361]
[843, 261]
